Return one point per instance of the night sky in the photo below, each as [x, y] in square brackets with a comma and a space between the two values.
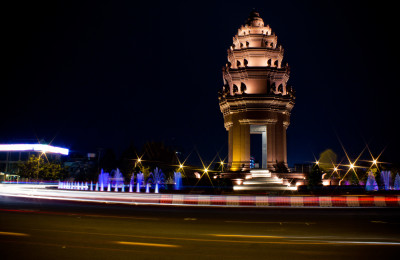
[99, 74]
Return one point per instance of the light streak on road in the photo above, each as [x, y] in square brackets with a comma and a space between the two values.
[246, 236]
[144, 244]
[134, 198]
[13, 234]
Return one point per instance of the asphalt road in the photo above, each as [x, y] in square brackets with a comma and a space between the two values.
[45, 229]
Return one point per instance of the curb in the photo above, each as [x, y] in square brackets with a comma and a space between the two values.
[268, 201]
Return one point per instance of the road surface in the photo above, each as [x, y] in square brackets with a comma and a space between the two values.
[46, 229]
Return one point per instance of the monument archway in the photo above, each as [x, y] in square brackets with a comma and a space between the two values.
[262, 131]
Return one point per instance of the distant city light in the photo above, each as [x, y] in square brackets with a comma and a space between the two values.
[317, 162]
[205, 170]
[374, 161]
[352, 166]
[180, 166]
[44, 148]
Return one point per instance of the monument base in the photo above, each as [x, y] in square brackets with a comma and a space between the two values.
[264, 180]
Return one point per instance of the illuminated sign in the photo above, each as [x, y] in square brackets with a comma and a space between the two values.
[33, 147]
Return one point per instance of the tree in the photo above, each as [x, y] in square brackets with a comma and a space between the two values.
[109, 161]
[280, 167]
[352, 177]
[128, 161]
[377, 175]
[156, 154]
[315, 176]
[326, 159]
[36, 167]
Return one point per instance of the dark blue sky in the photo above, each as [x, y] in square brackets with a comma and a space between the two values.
[106, 73]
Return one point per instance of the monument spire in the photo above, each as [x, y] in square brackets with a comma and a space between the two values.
[254, 17]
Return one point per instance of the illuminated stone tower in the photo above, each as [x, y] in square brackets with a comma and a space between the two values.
[256, 98]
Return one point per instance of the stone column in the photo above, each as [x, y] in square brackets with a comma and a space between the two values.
[239, 146]
[279, 142]
[264, 149]
[270, 146]
[281, 149]
[230, 147]
[285, 145]
[245, 146]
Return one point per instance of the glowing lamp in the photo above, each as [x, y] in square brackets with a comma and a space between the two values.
[326, 182]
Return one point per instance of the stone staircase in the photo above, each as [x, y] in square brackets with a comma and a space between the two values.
[262, 180]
